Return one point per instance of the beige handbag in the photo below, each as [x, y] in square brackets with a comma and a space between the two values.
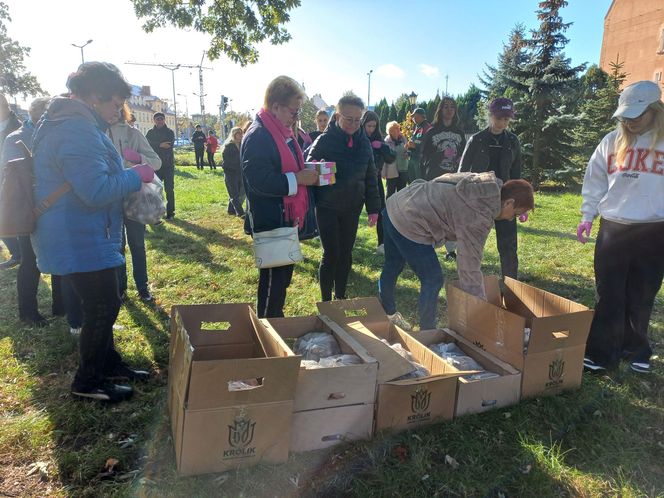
[274, 248]
[390, 170]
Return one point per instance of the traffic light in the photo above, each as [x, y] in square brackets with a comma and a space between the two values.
[224, 102]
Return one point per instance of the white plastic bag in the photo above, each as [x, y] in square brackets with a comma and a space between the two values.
[316, 345]
[147, 205]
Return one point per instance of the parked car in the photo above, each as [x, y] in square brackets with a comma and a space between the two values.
[182, 141]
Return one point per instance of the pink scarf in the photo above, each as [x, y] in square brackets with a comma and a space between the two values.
[295, 207]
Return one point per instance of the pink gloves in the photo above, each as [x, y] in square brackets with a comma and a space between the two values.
[523, 217]
[584, 226]
[376, 144]
[130, 155]
[373, 219]
[145, 171]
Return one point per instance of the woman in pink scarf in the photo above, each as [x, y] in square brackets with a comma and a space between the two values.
[275, 181]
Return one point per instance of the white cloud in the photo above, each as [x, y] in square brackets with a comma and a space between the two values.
[429, 71]
[390, 71]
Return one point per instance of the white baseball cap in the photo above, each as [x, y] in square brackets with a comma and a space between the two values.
[635, 99]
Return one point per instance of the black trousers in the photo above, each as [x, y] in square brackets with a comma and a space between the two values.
[27, 281]
[100, 298]
[337, 230]
[507, 247]
[13, 247]
[629, 267]
[167, 175]
[272, 286]
[235, 188]
[396, 184]
[199, 152]
[379, 223]
[211, 162]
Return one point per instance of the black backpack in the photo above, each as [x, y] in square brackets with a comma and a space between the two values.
[18, 209]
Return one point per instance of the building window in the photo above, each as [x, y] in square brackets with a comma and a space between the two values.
[658, 76]
[660, 51]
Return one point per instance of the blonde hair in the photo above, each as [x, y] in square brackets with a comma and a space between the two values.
[282, 90]
[231, 135]
[389, 125]
[626, 138]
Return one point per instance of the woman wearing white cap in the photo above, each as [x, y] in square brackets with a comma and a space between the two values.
[624, 186]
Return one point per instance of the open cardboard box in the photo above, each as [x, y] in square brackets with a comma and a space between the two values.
[476, 396]
[401, 404]
[214, 427]
[333, 404]
[553, 360]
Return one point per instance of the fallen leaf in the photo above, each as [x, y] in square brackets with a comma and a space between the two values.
[417, 437]
[451, 462]
[401, 453]
[425, 477]
[527, 469]
[110, 464]
[219, 481]
[507, 414]
[295, 481]
[597, 413]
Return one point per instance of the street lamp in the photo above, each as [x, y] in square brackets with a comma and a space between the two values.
[369, 88]
[201, 97]
[81, 47]
[186, 110]
[412, 98]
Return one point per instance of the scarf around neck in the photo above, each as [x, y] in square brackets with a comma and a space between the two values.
[295, 206]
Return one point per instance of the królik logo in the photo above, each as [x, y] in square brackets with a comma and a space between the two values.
[419, 402]
[241, 433]
[556, 369]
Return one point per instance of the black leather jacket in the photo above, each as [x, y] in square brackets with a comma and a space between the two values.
[476, 156]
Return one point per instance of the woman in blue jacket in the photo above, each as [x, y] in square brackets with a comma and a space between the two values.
[338, 206]
[80, 234]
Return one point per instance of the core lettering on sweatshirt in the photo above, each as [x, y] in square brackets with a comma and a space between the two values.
[639, 161]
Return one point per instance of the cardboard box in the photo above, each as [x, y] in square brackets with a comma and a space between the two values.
[332, 405]
[553, 360]
[477, 396]
[216, 428]
[328, 387]
[322, 167]
[320, 429]
[401, 404]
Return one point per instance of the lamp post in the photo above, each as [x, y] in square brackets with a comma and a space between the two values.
[186, 110]
[369, 88]
[81, 47]
[412, 98]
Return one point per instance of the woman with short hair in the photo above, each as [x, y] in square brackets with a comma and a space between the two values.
[396, 141]
[461, 207]
[624, 186]
[80, 235]
[338, 206]
[275, 181]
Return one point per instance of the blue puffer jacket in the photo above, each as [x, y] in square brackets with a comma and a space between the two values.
[81, 232]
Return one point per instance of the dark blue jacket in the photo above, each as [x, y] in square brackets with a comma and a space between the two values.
[356, 174]
[82, 231]
[265, 184]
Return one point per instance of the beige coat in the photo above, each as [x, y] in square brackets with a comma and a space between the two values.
[457, 207]
[124, 137]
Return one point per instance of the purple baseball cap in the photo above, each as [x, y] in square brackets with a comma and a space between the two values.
[502, 108]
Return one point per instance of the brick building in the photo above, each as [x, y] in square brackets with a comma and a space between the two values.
[634, 35]
[143, 105]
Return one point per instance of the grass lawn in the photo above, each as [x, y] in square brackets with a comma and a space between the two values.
[605, 439]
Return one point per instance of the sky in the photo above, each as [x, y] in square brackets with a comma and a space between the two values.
[410, 46]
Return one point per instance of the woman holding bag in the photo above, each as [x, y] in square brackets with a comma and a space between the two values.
[134, 149]
[275, 182]
[396, 173]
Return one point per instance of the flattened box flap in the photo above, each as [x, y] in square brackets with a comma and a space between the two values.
[390, 364]
[486, 325]
[194, 317]
[363, 309]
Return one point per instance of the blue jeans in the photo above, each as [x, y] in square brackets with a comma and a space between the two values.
[135, 237]
[423, 260]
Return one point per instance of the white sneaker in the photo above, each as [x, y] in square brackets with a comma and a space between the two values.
[380, 249]
[398, 320]
[75, 331]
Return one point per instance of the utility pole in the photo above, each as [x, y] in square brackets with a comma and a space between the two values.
[172, 68]
[200, 83]
[369, 89]
[447, 77]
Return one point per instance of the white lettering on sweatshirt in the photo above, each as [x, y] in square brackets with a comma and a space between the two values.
[629, 192]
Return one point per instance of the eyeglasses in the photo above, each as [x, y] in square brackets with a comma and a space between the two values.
[352, 121]
[622, 119]
[294, 114]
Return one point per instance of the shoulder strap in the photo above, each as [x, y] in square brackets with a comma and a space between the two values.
[50, 200]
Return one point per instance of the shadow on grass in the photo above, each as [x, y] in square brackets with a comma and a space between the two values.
[182, 173]
[551, 233]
